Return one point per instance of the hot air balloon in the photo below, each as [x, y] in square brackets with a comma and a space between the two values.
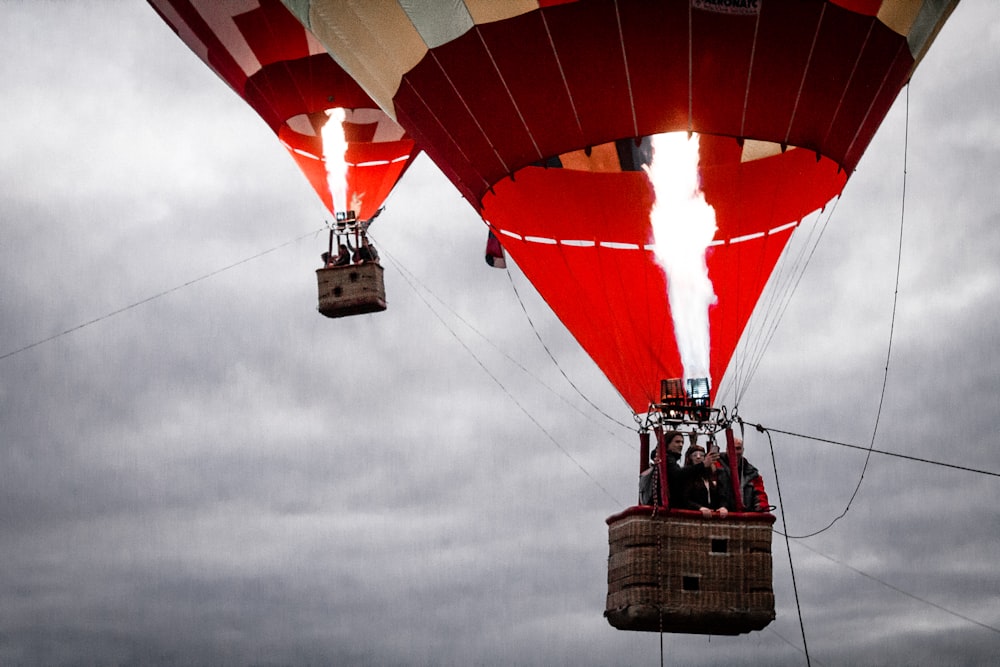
[591, 136]
[351, 152]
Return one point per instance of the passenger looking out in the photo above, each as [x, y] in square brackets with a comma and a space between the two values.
[702, 492]
[366, 251]
[750, 482]
[678, 477]
[342, 258]
[649, 480]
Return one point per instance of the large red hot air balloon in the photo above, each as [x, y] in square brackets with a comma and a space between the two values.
[535, 110]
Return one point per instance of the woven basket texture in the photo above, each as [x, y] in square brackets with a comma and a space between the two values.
[351, 289]
[675, 574]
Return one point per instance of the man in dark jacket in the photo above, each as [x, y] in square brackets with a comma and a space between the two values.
[677, 477]
[751, 483]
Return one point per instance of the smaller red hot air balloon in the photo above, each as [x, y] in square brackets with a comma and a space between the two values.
[351, 152]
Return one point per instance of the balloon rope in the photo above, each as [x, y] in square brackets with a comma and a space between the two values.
[900, 590]
[892, 325]
[413, 280]
[788, 548]
[659, 577]
[156, 296]
[410, 281]
[773, 307]
[768, 429]
[628, 76]
[789, 283]
[549, 352]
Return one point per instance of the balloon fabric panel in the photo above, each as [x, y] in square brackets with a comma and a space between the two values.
[542, 101]
[812, 72]
[272, 33]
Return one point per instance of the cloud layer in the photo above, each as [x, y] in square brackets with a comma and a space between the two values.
[222, 476]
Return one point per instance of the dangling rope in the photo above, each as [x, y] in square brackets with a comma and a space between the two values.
[549, 352]
[788, 548]
[411, 281]
[900, 590]
[892, 329]
[156, 296]
[415, 282]
[895, 301]
[906, 457]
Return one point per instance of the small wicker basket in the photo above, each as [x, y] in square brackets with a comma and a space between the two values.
[351, 290]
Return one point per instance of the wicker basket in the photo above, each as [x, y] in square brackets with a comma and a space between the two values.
[351, 290]
[674, 571]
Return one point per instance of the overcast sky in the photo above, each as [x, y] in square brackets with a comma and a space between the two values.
[222, 476]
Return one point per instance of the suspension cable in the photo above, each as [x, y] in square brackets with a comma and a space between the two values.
[788, 548]
[763, 429]
[504, 353]
[407, 277]
[531, 323]
[156, 296]
[795, 646]
[774, 303]
[783, 300]
[892, 328]
[899, 590]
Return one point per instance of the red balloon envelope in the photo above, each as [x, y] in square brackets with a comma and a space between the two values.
[537, 111]
[280, 69]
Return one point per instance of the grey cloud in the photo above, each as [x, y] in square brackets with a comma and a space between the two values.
[221, 476]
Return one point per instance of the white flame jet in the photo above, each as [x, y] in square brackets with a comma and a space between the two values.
[683, 227]
[335, 156]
